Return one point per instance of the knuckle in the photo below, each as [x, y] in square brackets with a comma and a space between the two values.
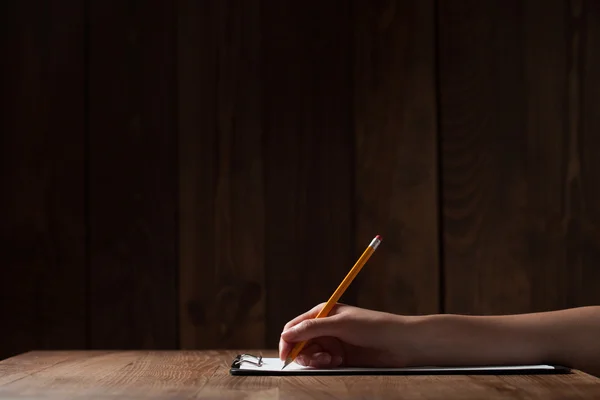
[306, 324]
[317, 308]
[287, 326]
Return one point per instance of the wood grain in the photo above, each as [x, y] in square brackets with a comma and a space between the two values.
[584, 251]
[42, 228]
[24, 365]
[133, 374]
[308, 146]
[205, 374]
[222, 298]
[396, 156]
[240, 156]
[519, 231]
[132, 175]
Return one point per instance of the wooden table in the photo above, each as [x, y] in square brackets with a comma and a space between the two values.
[205, 374]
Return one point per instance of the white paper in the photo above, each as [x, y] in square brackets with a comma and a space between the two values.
[275, 365]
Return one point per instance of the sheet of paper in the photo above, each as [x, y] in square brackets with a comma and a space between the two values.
[275, 364]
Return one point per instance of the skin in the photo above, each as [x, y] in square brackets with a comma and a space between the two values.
[352, 336]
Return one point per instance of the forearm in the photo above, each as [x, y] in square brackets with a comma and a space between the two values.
[567, 337]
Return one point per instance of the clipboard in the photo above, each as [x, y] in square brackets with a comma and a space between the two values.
[251, 365]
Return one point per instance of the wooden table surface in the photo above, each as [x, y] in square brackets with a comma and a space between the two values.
[205, 374]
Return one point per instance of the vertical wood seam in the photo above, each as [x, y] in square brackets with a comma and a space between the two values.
[176, 166]
[352, 295]
[86, 172]
[438, 159]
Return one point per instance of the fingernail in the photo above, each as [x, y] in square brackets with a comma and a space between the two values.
[301, 359]
[322, 358]
[288, 332]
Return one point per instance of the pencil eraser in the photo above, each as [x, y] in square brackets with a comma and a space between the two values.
[378, 237]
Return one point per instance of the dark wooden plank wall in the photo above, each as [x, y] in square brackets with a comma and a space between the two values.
[584, 244]
[42, 178]
[222, 203]
[132, 177]
[175, 174]
[396, 154]
[520, 178]
[308, 155]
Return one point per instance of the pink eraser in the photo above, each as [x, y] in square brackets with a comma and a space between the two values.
[378, 237]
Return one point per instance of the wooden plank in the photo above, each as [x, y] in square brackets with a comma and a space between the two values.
[222, 298]
[308, 146]
[29, 363]
[205, 374]
[510, 77]
[501, 160]
[197, 135]
[42, 250]
[123, 374]
[583, 255]
[396, 154]
[133, 175]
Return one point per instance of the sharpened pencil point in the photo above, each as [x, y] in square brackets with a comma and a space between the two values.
[288, 361]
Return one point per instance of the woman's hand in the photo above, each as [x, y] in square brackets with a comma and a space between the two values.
[352, 336]
[349, 336]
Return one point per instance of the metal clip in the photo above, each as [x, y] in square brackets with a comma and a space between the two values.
[241, 358]
[250, 358]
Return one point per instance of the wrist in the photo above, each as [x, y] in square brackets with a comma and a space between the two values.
[447, 339]
[405, 339]
[420, 334]
[425, 340]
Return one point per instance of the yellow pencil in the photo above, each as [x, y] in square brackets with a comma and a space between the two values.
[337, 294]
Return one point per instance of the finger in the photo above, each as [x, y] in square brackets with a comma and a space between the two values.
[331, 354]
[282, 347]
[308, 350]
[320, 360]
[337, 361]
[312, 313]
[314, 355]
[285, 348]
[314, 328]
[306, 355]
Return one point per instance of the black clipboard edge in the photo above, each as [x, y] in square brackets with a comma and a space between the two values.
[557, 369]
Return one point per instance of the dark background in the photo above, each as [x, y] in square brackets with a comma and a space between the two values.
[193, 174]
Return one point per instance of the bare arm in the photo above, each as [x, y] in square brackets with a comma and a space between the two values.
[567, 337]
[358, 337]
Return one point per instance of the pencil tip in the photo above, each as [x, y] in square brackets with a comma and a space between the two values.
[286, 363]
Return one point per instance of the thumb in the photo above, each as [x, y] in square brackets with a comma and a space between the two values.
[313, 328]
